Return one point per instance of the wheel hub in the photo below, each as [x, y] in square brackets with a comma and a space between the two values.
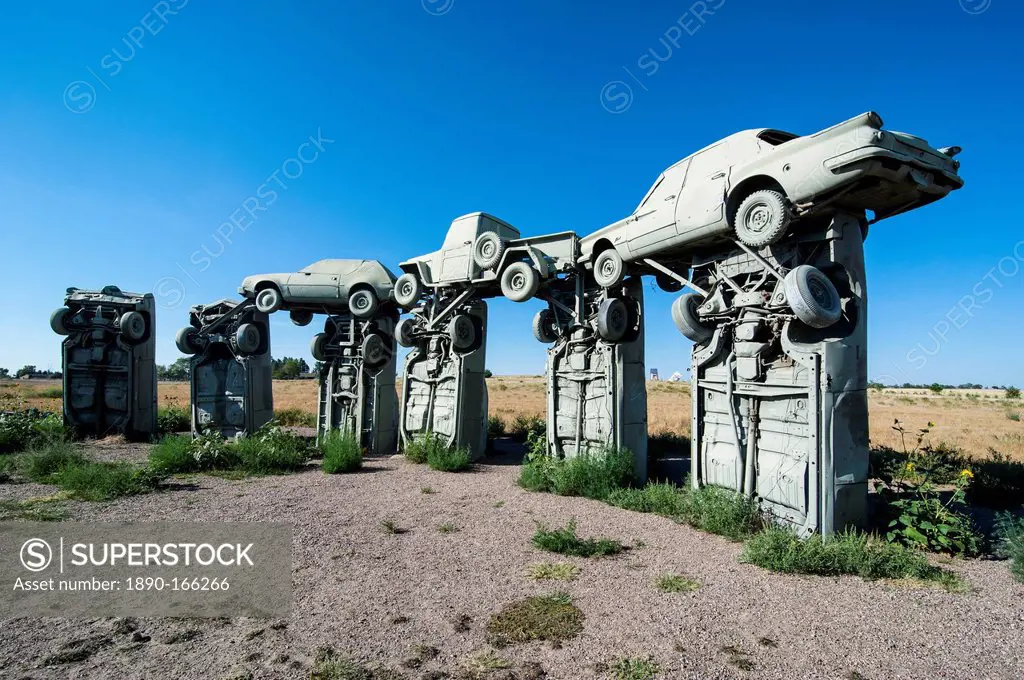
[759, 218]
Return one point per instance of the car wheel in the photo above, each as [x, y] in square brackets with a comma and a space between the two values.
[268, 300]
[318, 346]
[374, 351]
[544, 327]
[408, 290]
[609, 268]
[301, 317]
[187, 341]
[247, 338]
[668, 284]
[363, 303]
[403, 332]
[462, 332]
[133, 326]
[762, 218]
[488, 249]
[813, 297]
[58, 320]
[519, 282]
[612, 319]
[684, 314]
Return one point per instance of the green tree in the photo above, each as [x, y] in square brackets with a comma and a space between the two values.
[288, 368]
[1012, 393]
[936, 388]
[179, 370]
[4, 373]
[27, 369]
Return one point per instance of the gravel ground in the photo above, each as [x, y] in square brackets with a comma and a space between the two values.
[375, 595]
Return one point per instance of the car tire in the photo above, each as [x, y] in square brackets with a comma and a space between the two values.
[667, 283]
[612, 319]
[762, 218]
[363, 303]
[58, 320]
[684, 315]
[374, 351]
[519, 282]
[187, 340]
[133, 326]
[462, 332]
[301, 317]
[248, 338]
[812, 296]
[269, 300]
[318, 346]
[408, 290]
[609, 269]
[488, 249]
[544, 327]
[403, 332]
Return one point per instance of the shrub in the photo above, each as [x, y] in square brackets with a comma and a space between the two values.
[294, 417]
[271, 450]
[1012, 393]
[341, 452]
[1013, 415]
[565, 542]
[590, 475]
[998, 482]
[658, 498]
[721, 511]
[449, 460]
[170, 419]
[21, 430]
[418, 450]
[42, 463]
[1009, 531]
[542, 617]
[522, 425]
[495, 427]
[936, 388]
[853, 553]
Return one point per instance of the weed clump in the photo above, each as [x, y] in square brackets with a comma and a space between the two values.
[543, 617]
[28, 428]
[171, 419]
[294, 417]
[341, 453]
[565, 542]
[269, 450]
[674, 583]
[59, 462]
[558, 571]
[431, 449]
[594, 475]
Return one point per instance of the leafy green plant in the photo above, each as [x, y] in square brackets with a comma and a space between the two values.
[559, 571]
[634, 668]
[919, 516]
[1009, 531]
[24, 429]
[341, 452]
[522, 426]
[721, 511]
[858, 554]
[173, 454]
[170, 419]
[447, 528]
[565, 542]
[594, 475]
[674, 583]
[92, 481]
[272, 450]
[445, 459]
[294, 417]
[495, 427]
[269, 450]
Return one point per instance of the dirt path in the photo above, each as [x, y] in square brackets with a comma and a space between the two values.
[376, 595]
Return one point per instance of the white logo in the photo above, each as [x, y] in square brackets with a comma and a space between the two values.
[438, 7]
[36, 554]
[975, 6]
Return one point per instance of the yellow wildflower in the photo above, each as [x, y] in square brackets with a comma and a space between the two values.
[966, 473]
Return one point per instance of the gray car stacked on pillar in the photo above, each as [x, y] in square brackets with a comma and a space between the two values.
[230, 369]
[109, 361]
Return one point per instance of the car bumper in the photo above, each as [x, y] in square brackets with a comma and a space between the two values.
[899, 163]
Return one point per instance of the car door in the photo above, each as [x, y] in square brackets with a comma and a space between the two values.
[456, 263]
[319, 284]
[653, 226]
[701, 204]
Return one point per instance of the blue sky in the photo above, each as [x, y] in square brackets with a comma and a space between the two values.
[132, 131]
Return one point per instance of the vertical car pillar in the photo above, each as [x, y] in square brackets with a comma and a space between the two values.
[780, 403]
[357, 380]
[230, 370]
[596, 388]
[444, 391]
[109, 361]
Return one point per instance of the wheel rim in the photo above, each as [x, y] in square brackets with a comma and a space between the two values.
[360, 302]
[821, 294]
[759, 217]
[518, 281]
[487, 250]
[609, 268]
[406, 289]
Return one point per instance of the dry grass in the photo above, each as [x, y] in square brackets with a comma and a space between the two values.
[974, 420]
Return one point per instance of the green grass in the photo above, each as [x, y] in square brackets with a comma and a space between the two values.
[427, 490]
[293, 417]
[171, 419]
[341, 453]
[328, 665]
[447, 528]
[47, 393]
[634, 668]
[60, 462]
[388, 526]
[852, 553]
[709, 508]
[552, 571]
[46, 509]
[542, 617]
[1010, 542]
[674, 583]
[449, 460]
[270, 450]
[21, 430]
[418, 450]
[564, 541]
[594, 475]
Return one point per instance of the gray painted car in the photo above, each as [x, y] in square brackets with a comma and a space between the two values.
[326, 287]
[754, 185]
